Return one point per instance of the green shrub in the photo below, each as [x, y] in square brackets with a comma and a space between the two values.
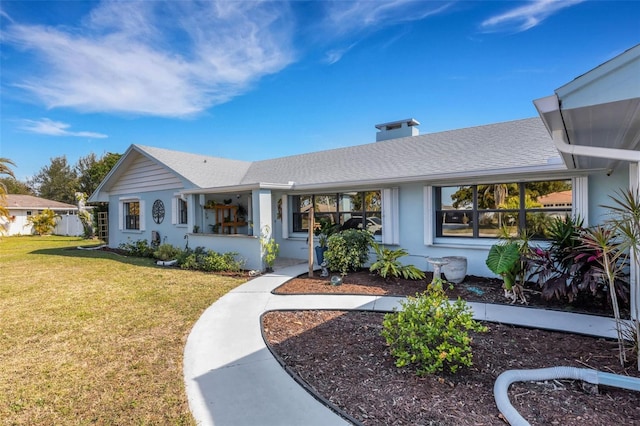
[139, 248]
[348, 250]
[166, 252]
[431, 333]
[201, 259]
[388, 264]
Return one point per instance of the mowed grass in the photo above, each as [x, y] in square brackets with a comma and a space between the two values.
[90, 337]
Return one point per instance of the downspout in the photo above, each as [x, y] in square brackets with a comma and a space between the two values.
[595, 377]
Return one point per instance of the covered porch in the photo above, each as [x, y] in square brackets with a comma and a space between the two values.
[232, 219]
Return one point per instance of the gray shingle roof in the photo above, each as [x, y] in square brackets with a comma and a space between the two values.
[202, 170]
[18, 201]
[474, 151]
[481, 150]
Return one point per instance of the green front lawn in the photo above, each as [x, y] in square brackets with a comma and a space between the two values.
[93, 337]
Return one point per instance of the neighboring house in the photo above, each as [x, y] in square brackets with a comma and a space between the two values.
[21, 207]
[436, 194]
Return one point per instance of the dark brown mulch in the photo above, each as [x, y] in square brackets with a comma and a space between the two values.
[472, 289]
[342, 356]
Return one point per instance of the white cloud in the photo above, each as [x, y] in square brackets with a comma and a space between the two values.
[167, 59]
[179, 58]
[526, 17]
[358, 19]
[348, 17]
[49, 127]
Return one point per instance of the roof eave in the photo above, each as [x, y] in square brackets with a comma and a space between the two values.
[239, 188]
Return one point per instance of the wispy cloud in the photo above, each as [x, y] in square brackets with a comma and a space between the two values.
[49, 127]
[358, 19]
[125, 57]
[526, 17]
[179, 58]
[349, 17]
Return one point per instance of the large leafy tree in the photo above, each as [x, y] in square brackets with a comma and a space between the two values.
[15, 186]
[5, 169]
[91, 170]
[57, 181]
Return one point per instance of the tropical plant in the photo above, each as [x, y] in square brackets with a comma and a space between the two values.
[431, 333]
[348, 250]
[387, 264]
[270, 248]
[504, 260]
[507, 258]
[558, 273]
[5, 170]
[626, 221]
[43, 223]
[608, 254]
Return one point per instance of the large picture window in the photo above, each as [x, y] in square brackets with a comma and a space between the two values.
[351, 210]
[486, 211]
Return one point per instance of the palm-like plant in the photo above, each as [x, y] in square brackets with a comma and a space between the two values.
[626, 221]
[387, 264]
[600, 245]
[4, 170]
[508, 259]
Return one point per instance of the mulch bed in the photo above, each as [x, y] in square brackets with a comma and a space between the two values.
[343, 358]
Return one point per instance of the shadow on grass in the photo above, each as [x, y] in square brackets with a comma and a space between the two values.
[91, 251]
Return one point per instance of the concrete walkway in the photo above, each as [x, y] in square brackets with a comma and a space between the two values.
[232, 379]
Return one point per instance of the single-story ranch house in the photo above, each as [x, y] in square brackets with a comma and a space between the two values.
[22, 207]
[439, 194]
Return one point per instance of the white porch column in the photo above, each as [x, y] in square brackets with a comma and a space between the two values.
[262, 211]
[634, 272]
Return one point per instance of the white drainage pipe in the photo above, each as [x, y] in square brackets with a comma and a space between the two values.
[595, 377]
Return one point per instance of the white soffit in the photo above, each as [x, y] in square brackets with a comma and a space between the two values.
[614, 80]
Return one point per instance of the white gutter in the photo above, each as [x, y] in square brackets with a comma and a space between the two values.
[239, 188]
[598, 152]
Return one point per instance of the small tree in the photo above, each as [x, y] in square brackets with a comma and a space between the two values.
[270, 249]
[43, 223]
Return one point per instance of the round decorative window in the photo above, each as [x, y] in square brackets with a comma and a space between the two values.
[157, 211]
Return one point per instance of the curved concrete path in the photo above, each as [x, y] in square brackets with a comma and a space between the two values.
[232, 379]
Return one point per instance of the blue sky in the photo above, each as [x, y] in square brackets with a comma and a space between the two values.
[256, 80]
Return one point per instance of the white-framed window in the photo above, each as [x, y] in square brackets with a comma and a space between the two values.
[178, 210]
[483, 211]
[131, 214]
[182, 211]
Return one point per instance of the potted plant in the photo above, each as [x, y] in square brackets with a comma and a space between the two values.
[323, 231]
